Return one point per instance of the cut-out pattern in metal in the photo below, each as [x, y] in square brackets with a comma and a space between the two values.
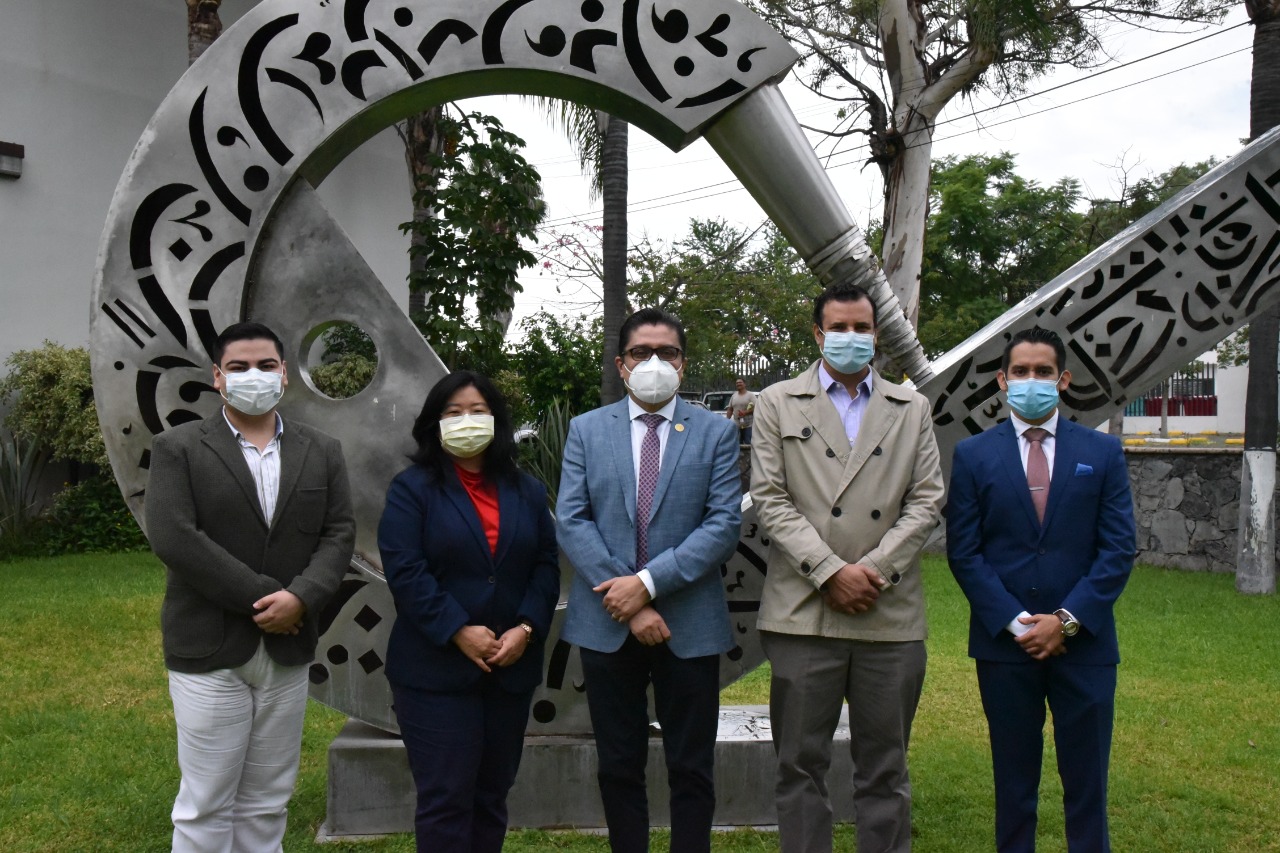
[1157, 296]
[215, 220]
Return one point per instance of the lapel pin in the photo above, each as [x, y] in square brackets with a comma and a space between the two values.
[679, 427]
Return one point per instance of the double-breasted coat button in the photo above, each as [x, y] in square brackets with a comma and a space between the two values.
[895, 577]
[492, 579]
[875, 513]
[1035, 592]
[831, 454]
[806, 432]
[806, 568]
[835, 511]
[877, 451]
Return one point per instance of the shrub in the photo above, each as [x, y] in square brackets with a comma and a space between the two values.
[90, 516]
[54, 407]
[344, 378]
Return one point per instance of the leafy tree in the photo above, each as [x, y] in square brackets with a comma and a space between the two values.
[705, 279]
[50, 395]
[894, 65]
[556, 359]
[993, 238]
[487, 200]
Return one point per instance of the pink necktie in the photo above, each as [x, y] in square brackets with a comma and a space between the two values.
[1037, 470]
[650, 457]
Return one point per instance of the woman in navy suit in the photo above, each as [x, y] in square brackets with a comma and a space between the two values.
[469, 550]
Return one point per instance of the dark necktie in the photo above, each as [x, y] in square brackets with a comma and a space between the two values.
[646, 482]
[1037, 470]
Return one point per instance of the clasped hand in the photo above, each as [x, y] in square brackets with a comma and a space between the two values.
[854, 588]
[624, 596]
[1044, 640]
[279, 613]
[486, 649]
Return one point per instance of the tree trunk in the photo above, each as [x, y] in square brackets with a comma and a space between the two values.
[906, 210]
[613, 168]
[422, 141]
[1256, 552]
[203, 26]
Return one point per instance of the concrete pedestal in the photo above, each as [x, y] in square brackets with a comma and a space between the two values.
[371, 791]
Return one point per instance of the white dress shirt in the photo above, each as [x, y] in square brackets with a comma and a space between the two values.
[638, 432]
[264, 465]
[849, 409]
[1047, 444]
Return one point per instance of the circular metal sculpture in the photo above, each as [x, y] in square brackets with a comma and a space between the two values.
[215, 220]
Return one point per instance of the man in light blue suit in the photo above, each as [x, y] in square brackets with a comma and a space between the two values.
[649, 509]
[1040, 536]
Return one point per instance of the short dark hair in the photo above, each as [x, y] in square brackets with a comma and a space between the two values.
[843, 291]
[649, 317]
[1036, 335]
[247, 331]
[499, 456]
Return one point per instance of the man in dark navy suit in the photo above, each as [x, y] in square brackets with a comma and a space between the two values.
[1040, 536]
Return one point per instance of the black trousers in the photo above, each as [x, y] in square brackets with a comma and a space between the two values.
[464, 750]
[687, 700]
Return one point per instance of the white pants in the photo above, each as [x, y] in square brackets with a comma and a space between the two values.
[239, 739]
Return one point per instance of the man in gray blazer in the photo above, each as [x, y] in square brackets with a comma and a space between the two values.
[649, 509]
[253, 521]
[846, 480]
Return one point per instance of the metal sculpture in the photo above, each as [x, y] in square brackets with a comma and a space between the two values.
[215, 220]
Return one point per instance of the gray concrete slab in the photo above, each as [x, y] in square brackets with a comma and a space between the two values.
[371, 791]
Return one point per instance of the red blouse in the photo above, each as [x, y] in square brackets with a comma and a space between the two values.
[484, 497]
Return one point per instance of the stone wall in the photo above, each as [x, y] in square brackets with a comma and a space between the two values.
[1188, 506]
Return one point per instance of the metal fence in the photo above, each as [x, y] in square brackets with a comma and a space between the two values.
[1191, 391]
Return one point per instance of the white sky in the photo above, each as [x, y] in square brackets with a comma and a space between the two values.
[1183, 106]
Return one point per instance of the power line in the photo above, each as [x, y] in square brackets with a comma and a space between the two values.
[639, 209]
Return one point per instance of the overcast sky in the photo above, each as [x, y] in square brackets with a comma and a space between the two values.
[1188, 104]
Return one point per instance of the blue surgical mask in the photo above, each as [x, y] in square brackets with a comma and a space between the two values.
[848, 352]
[1033, 399]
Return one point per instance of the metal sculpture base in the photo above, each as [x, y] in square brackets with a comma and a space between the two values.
[371, 792]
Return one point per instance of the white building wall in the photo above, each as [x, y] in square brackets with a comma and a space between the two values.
[79, 80]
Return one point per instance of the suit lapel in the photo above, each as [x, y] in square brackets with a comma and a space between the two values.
[1011, 457]
[877, 419]
[821, 414]
[508, 518]
[677, 438]
[293, 454]
[624, 464]
[457, 494]
[222, 441]
[1064, 466]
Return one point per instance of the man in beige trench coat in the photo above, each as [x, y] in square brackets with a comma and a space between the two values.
[846, 481]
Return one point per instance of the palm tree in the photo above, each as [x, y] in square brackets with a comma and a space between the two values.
[422, 141]
[600, 141]
[1256, 563]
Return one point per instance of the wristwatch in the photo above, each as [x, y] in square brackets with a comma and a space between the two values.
[528, 630]
[1070, 625]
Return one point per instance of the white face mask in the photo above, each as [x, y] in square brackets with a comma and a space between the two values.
[466, 435]
[653, 381]
[253, 391]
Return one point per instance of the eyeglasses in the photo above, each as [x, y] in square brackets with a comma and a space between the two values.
[664, 353]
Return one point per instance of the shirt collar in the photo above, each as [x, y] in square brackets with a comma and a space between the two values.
[1020, 426]
[827, 380]
[240, 435]
[668, 411]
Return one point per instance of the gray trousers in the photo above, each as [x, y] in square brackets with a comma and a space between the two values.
[812, 677]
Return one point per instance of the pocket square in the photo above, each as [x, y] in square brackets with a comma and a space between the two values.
[1083, 470]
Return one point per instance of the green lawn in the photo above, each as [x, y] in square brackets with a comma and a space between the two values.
[86, 729]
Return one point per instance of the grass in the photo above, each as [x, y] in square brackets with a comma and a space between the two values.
[86, 728]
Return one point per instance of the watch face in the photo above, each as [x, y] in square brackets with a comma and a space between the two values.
[1070, 627]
